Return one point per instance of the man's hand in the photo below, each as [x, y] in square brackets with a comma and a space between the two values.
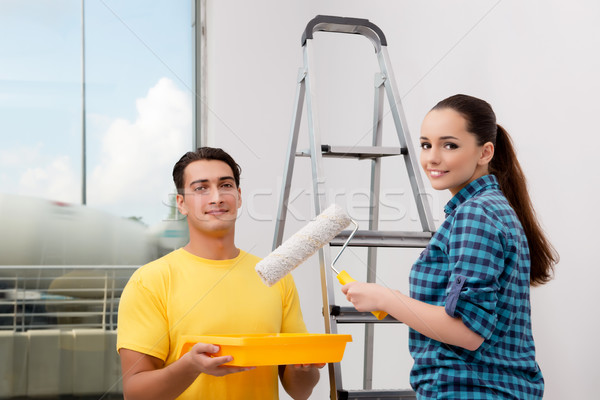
[299, 380]
[146, 377]
[200, 356]
[307, 367]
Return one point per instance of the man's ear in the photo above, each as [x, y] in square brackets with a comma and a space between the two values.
[180, 204]
[239, 197]
[487, 153]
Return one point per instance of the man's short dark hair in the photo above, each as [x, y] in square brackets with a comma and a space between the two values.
[204, 153]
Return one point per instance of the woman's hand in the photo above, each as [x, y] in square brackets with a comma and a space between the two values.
[366, 296]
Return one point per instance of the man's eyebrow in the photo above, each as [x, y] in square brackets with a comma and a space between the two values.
[222, 178]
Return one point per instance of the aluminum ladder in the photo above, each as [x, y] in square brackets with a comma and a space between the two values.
[371, 238]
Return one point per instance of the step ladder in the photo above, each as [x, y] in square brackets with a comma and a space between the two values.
[371, 238]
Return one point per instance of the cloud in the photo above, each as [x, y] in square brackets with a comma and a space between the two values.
[27, 171]
[55, 181]
[133, 174]
[16, 156]
[137, 157]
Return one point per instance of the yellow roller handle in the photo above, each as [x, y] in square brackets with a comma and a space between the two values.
[345, 278]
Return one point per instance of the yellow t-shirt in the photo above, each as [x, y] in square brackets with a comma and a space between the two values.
[182, 294]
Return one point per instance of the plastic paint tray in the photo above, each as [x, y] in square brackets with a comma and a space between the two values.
[276, 348]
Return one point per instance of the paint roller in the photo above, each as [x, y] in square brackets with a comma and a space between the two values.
[304, 243]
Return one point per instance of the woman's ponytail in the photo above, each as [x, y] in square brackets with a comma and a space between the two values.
[481, 122]
[505, 166]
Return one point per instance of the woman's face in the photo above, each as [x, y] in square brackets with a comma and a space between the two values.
[450, 155]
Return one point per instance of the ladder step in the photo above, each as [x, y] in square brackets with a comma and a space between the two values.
[376, 394]
[360, 152]
[349, 315]
[383, 239]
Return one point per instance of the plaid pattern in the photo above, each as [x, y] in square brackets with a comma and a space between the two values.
[477, 267]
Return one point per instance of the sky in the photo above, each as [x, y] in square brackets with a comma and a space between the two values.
[138, 78]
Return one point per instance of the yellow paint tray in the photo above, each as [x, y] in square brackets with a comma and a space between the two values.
[276, 348]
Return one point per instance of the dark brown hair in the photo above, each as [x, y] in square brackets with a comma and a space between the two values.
[481, 122]
[203, 153]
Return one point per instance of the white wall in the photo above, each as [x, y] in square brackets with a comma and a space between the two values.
[536, 62]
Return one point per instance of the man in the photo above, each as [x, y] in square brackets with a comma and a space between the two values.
[207, 287]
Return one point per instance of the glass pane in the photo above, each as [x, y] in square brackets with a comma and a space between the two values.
[137, 107]
[63, 264]
[40, 99]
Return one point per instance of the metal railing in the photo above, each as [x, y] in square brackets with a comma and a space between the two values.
[58, 331]
[61, 297]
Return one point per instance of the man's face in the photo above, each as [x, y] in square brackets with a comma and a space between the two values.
[211, 199]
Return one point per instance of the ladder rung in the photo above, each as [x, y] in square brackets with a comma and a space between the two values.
[376, 394]
[383, 239]
[350, 315]
[356, 151]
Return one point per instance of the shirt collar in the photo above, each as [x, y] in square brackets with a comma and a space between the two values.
[471, 190]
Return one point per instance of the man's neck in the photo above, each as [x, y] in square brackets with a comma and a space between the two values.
[212, 247]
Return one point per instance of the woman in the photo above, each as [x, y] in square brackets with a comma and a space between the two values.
[469, 308]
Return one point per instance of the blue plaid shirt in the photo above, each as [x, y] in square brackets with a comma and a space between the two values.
[477, 266]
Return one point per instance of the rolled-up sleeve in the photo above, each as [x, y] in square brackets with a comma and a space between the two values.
[476, 258]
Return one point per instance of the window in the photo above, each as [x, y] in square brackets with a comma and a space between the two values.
[118, 74]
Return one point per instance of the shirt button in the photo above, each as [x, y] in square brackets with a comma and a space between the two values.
[458, 280]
